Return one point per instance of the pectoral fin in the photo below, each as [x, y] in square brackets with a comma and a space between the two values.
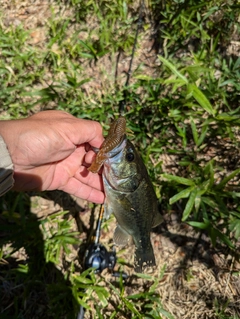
[157, 219]
[107, 210]
[121, 237]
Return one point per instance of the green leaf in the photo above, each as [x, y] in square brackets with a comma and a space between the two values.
[217, 233]
[226, 179]
[166, 314]
[131, 307]
[143, 77]
[195, 71]
[200, 225]
[103, 298]
[197, 201]
[66, 238]
[88, 47]
[234, 226]
[227, 117]
[203, 134]
[210, 202]
[173, 69]
[136, 296]
[183, 194]
[201, 98]
[83, 304]
[177, 83]
[83, 280]
[179, 180]
[87, 55]
[144, 276]
[189, 205]
[194, 131]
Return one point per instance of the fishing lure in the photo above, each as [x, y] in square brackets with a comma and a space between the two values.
[115, 135]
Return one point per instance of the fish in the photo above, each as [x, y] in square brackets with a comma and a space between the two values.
[129, 194]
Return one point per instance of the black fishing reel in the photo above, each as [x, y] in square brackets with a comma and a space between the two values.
[96, 255]
[99, 258]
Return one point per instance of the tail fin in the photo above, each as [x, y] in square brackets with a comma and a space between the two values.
[144, 259]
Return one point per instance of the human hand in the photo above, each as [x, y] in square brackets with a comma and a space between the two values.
[52, 150]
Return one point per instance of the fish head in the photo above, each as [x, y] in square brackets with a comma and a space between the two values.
[122, 169]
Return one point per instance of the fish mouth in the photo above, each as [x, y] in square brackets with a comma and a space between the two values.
[115, 156]
[117, 150]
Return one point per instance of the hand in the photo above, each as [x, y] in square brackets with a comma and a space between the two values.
[52, 150]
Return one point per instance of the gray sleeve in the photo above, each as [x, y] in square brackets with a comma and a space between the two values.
[6, 169]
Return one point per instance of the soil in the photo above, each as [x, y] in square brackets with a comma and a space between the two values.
[198, 278]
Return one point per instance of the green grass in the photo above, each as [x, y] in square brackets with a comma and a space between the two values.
[186, 107]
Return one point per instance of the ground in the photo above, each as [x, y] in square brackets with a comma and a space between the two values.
[199, 281]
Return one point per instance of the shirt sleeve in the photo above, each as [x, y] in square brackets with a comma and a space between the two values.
[6, 169]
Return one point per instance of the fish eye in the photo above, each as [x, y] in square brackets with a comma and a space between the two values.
[130, 157]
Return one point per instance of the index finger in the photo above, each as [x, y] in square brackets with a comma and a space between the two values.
[84, 131]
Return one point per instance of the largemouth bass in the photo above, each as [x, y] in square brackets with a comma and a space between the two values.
[129, 194]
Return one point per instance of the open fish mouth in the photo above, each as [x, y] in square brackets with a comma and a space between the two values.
[114, 178]
[117, 150]
[116, 135]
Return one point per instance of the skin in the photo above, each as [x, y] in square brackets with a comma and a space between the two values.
[52, 150]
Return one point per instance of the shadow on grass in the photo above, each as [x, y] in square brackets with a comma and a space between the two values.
[31, 288]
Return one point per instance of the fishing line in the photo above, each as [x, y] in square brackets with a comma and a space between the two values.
[122, 103]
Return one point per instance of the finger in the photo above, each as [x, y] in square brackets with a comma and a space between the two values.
[77, 130]
[88, 178]
[83, 131]
[75, 187]
[89, 157]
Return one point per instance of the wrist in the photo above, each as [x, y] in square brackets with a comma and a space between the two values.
[10, 132]
[6, 168]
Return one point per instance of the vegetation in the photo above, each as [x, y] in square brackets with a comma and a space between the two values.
[183, 105]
